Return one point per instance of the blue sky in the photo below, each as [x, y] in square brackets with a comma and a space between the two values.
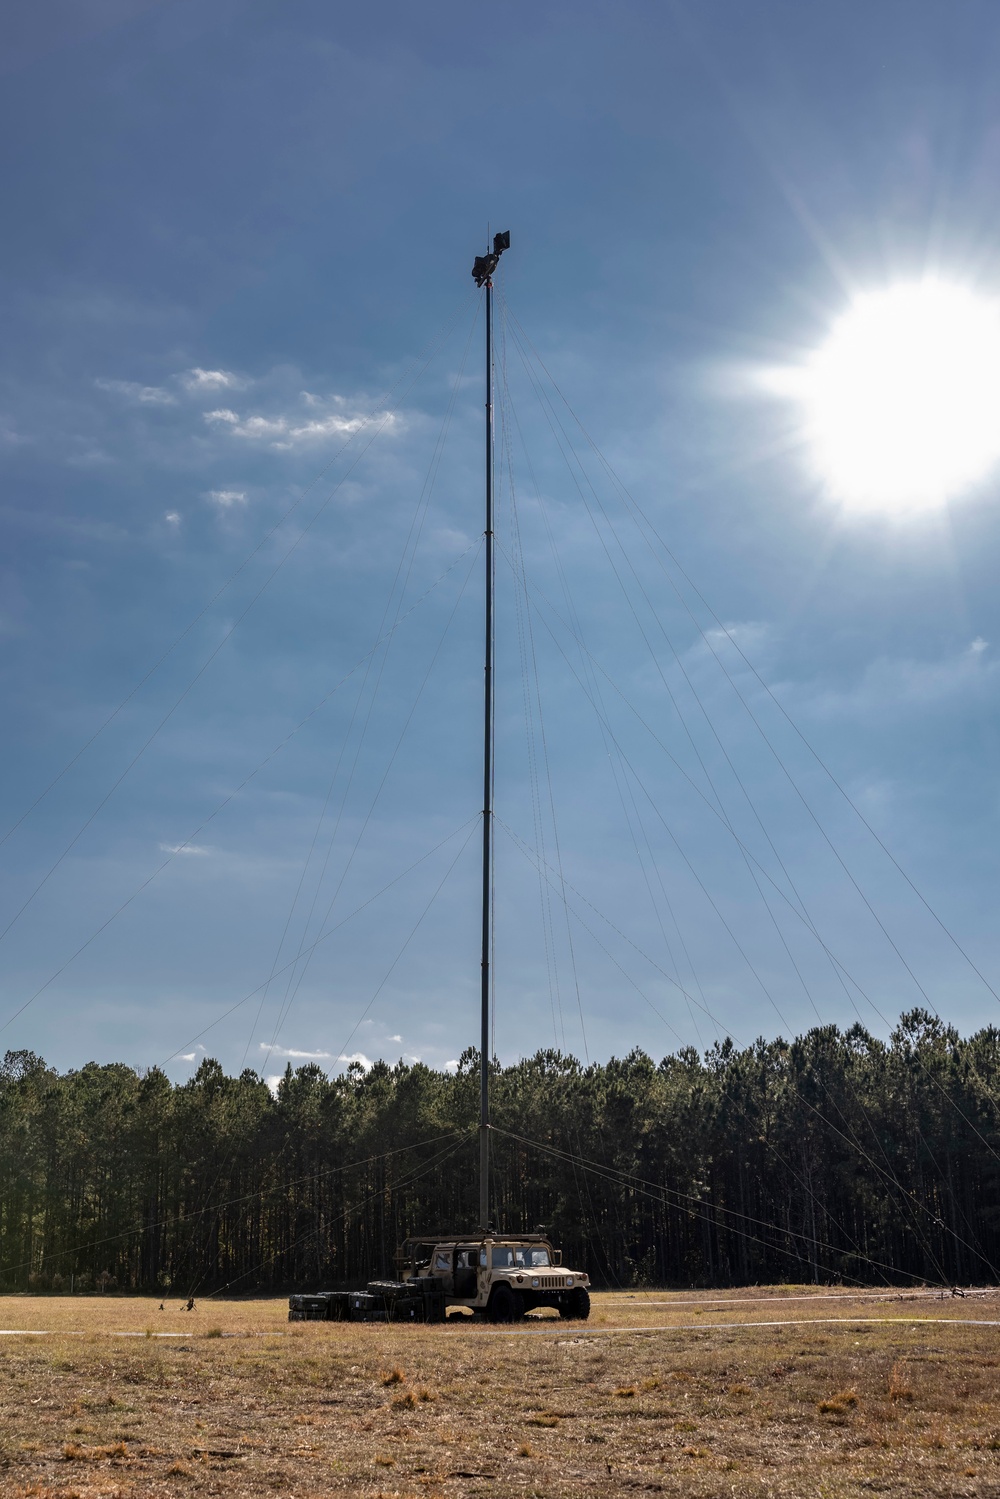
[230, 230]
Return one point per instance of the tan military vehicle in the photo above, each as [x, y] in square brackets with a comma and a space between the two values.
[499, 1276]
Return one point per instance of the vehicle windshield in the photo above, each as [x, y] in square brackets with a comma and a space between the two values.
[523, 1256]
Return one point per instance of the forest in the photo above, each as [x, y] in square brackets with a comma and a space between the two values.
[835, 1157]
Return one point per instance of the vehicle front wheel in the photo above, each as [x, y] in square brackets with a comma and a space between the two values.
[576, 1307]
[505, 1305]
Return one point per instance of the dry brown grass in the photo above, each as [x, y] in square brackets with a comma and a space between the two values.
[899, 1388]
[643, 1399]
[838, 1404]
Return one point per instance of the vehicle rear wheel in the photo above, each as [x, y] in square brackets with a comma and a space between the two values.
[505, 1305]
[576, 1307]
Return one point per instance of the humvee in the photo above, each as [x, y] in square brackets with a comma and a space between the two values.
[499, 1276]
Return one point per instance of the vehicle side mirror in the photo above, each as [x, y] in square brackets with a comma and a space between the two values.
[557, 1256]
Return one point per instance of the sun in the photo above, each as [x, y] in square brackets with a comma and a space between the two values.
[901, 404]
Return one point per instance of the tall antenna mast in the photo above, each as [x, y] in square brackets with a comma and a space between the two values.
[482, 271]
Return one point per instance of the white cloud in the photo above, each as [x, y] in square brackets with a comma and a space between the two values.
[227, 497]
[328, 426]
[903, 683]
[451, 1066]
[131, 390]
[979, 645]
[296, 1056]
[285, 431]
[199, 379]
[358, 1056]
[184, 848]
[752, 636]
[172, 518]
[394, 1038]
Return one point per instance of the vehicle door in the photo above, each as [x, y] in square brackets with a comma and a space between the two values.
[443, 1267]
[466, 1271]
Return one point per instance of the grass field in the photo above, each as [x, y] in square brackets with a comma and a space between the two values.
[795, 1391]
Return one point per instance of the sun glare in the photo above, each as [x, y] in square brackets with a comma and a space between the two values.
[902, 402]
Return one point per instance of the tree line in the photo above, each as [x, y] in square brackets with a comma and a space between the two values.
[835, 1156]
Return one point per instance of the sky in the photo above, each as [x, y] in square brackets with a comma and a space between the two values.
[747, 735]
